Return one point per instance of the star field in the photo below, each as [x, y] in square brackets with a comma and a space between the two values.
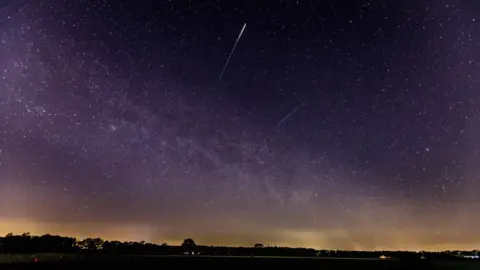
[335, 125]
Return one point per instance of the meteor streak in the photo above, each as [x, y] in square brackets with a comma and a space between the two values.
[231, 53]
[290, 114]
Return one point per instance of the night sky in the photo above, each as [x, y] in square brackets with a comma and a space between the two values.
[336, 124]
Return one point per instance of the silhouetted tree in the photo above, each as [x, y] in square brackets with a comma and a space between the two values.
[91, 244]
[189, 245]
[53, 243]
[258, 246]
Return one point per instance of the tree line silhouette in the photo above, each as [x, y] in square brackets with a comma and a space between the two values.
[26, 243]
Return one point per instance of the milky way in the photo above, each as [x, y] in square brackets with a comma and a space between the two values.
[113, 122]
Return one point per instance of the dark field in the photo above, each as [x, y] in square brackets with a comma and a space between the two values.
[157, 262]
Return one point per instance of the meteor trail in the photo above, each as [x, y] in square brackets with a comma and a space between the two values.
[290, 114]
[231, 53]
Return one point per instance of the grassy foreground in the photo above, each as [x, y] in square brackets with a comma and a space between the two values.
[78, 261]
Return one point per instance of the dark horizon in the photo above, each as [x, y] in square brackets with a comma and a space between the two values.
[256, 245]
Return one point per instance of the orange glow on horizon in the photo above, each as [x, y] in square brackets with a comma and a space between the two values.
[286, 238]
